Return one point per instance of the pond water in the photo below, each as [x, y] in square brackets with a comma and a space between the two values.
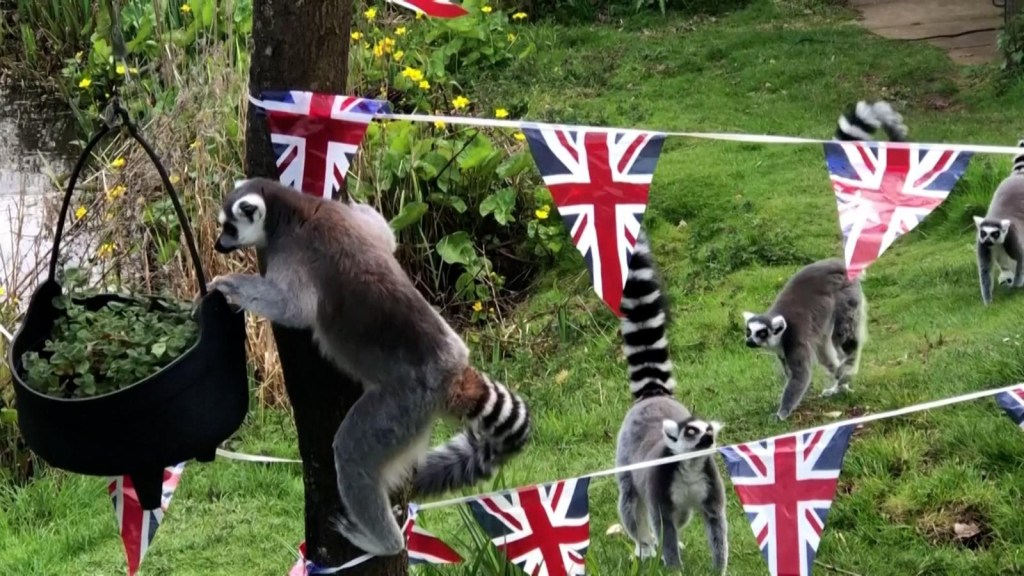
[36, 141]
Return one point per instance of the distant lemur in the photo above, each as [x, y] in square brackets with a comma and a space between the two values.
[655, 503]
[1001, 233]
[330, 268]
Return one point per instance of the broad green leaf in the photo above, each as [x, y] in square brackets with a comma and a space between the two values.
[410, 214]
[500, 205]
[158, 349]
[515, 165]
[477, 153]
[456, 248]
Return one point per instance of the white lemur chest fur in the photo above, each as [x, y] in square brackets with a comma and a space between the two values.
[1001, 258]
[689, 487]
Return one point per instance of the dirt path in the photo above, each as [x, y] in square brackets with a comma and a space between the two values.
[911, 19]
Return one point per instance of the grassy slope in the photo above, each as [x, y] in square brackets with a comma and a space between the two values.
[754, 214]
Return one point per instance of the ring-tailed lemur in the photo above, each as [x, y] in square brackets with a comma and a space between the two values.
[660, 500]
[378, 224]
[818, 314]
[328, 269]
[1001, 233]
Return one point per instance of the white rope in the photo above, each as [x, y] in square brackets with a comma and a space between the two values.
[6, 334]
[728, 136]
[254, 458]
[710, 451]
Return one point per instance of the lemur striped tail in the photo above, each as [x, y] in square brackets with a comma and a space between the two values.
[1018, 160]
[861, 120]
[645, 315]
[498, 427]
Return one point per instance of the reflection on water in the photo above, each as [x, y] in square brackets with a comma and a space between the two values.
[36, 134]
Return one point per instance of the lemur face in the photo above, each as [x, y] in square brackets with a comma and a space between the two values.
[991, 231]
[764, 331]
[241, 219]
[690, 435]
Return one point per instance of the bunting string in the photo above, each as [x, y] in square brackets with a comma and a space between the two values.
[728, 136]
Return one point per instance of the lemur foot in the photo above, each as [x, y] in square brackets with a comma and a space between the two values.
[1006, 279]
[830, 391]
[645, 551]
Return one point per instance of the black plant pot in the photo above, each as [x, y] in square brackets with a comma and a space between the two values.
[181, 412]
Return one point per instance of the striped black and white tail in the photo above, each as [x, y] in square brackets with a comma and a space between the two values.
[862, 119]
[1018, 160]
[498, 428]
[644, 318]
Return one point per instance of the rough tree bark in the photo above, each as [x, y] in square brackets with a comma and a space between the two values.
[303, 45]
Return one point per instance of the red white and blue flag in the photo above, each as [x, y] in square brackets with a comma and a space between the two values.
[136, 526]
[434, 8]
[316, 137]
[545, 530]
[600, 182]
[422, 546]
[884, 192]
[1012, 402]
[786, 486]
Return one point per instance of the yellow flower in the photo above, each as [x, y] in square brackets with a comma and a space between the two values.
[412, 74]
[519, 136]
[543, 212]
[486, 9]
[378, 49]
[460, 102]
[519, 16]
[419, 15]
[511, 37]
[106, 249]
[439, 124]
[424, 85]
[370, 13]
[2, 291]
[80, 213]
[389, 43]
[117, 163]
[398, 55]
[85, 82]
[119, 69]
[400, 31]
[357, 35]
[501, 113]
[185, 8]
[115, 192]
[173, 178]
[478, 306]
[194, 144]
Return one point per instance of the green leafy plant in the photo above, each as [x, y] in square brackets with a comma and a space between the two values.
[94, 352]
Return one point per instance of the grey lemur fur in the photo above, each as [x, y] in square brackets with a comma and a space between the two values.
[862, 119]
[330, 268]
[818, 314]
[661, 500]
[999, 233]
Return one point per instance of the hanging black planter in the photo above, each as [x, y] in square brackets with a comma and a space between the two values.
[183, 411]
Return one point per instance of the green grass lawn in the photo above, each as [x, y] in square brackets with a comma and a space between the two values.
[753, 214]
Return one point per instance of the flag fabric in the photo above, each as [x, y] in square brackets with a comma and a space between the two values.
[137, 526]
[299, 569]
[424, 547]
[435, 8]
[884, 192]
[1012, 402]
[316, 137]
[545, 530]
[600, 182]
[786, 486]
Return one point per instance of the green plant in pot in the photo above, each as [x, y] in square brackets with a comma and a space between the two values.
[113, 385]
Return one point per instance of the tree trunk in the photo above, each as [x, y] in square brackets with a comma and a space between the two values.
[304, 46]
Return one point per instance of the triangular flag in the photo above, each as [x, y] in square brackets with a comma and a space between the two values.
[137, 526]
[316, 136]
[435, 8]
[545, 530]
[1012, 402]
[424, 547]
[786, 486]
[884, 192]
[299, 569]
[599, 181]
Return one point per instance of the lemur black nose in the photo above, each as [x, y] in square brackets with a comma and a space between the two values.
[751, 343]
[705, 441]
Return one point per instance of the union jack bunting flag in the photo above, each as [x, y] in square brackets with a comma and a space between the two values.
[884, 192]
[1012, 402]
[137, 526]
[316, 137]
[599, 182]
[545, 530]
[422, 546]
[786, 486]
[435, 8]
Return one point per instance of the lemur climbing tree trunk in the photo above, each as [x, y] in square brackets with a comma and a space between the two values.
[304, 46]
